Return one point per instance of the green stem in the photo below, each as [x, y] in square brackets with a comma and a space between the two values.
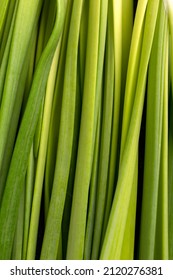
[117, 26]
[12, 7]
[162, 246]
[19, 162]
[26, 19]
[3, 12]
[153, 142]
[56, 111]
[105, 140]
[75, 248]
[92, 195]
[18, 238]
[65, 141]
[113, 242]
[30, 176]
[39, 177]
[41, 42]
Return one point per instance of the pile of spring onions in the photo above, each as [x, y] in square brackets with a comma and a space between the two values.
[86, 129]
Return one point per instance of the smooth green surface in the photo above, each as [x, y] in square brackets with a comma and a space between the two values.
[26, 19]
[153, 142]
[113, 241]
[39, 173]
[65, 141]
[14, 185]
[75, 247]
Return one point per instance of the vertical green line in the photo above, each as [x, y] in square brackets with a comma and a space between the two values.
[39, 176]
[56, 111]
[19, 162]
[65, 141]
[152, 142]
[75, 248]
[117, 26]
[92, 195]
[18, 238]
[29, 184]
[162, 246]
[112, 245]
[26, 19]
[3, 12]
[105, 138]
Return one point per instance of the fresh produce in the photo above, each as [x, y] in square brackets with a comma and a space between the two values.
[86, 130]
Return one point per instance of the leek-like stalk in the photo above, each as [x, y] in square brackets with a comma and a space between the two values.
[105, 140]
[56, 111]
[39, 177]
[112, 246]
[75, 248]
[114, 154]
[162, 242]
[92, 196]
[65, 141]
[26, 19]
[153, 141]
[3, 12]
[29, 185]
[14, 184]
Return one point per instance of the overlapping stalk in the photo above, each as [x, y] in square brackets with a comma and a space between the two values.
[65, 140]
[154, 121]
[86, 130]
[15, 180]
[75, 249]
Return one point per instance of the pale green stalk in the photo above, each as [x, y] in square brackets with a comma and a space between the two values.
[117, 26]
[60, 249]
[15, 120]
[5, 56]
[68, 201]
[30, 174]
[127, 28]
[3, 12]
[13, 4]
[39, 176]
[30, 70]
[18, 238]
[100, 63]
[56, 111]
[83, 42]
[92, 195]
[19, 162]
[153, 141]
[132, 74]
[105, 139]
[113, 242]
[162, 246]
[99, 85]
[75, 248]
[40, 46]
[128, 246]
[127, 6]
[26, 19]
[29, 184]
[133, 67]
[65, 141]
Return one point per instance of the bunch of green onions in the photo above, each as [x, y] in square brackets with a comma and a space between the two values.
[86, 129]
